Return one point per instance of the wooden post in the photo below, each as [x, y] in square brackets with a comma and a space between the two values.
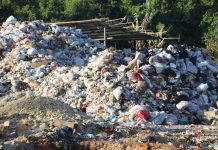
[115, 43]
[105, 38]
[179, 38]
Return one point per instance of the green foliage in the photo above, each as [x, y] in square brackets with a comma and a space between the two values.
[131, 7]
[181, 17]
[71, 8]
[160, 27]
[209, 26]
[195, 20]
[51, 9]
[26, 13]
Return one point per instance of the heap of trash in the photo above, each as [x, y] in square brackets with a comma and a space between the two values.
[173, 85]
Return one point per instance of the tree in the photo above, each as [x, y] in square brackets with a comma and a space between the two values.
[195, 20]
[51, 10]
[71, 8]
[209, 26]
[181, 17]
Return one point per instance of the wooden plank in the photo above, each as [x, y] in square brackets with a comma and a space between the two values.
[117, 33]
[108, 27]
[102, 30]
[171, 38]
[123, 37]
[121, 24]
[94, 23]
[80, 22]
[84, 25]
[116, 29]
[128, 37]
[97, 25]
[115, 20]
[135, 36]
[101, 25]
[109, 31]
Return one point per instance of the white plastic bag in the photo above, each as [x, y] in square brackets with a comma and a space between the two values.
[11, 20]
[118, 92]
[182, 105]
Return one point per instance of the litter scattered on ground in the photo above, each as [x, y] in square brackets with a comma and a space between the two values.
[53, 72]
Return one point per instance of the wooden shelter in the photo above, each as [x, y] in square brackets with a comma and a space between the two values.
[104, 29]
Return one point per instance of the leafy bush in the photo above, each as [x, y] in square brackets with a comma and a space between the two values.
[195, 20]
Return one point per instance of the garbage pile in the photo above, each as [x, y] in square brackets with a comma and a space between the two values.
[36, 56]
[173, 85]
[176, 85]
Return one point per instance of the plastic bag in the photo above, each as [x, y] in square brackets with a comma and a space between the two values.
[118, 92]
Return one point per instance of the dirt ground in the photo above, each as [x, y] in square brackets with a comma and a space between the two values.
[25, 132]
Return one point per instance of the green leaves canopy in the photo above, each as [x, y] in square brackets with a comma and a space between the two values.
[195, 20]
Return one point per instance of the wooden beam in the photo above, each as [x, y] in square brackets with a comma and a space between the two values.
[116, 33]
[116, 30]
[124, 39]
[135, 36]
[102, 25]
[94, 23]
[121, 24]
[126, 36]
[82, 25]
[109, 31]
[98, 28]
[105, 38]
[171, 38]
[102, 30]
[79, 22]
[118, 19]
